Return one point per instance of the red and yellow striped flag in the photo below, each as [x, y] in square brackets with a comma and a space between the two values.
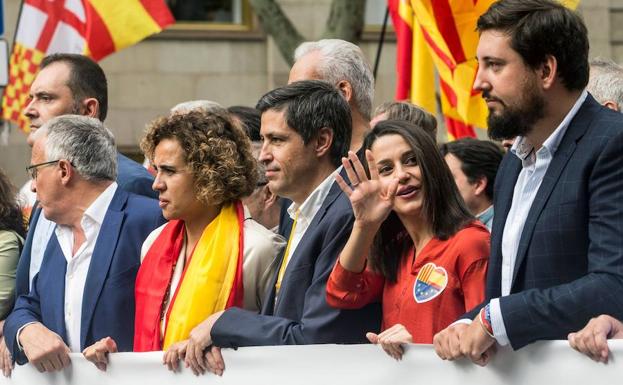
[444, 32]
[95, 28]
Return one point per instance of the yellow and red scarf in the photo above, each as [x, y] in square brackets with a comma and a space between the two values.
[211, 280]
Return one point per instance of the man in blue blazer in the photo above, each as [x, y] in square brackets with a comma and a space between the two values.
[306, 131]
[557, 238]
[84, 290]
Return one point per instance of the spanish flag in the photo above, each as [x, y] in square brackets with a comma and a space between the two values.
[95, 28]
[440, 35]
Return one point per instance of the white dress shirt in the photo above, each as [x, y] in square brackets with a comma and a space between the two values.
[534, 167]
[78, 263]
[306, 213]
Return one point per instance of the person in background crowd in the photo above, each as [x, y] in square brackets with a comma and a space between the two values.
[342, 64]
[474, 164]
[414, 245]
[12, 233]
[263, 204]
[305, 130]
[407, 112]
[606, 83]
[84, 290]
[556, 248]
[204, 166]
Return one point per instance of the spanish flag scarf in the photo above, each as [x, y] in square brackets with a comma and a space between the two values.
[211, 280]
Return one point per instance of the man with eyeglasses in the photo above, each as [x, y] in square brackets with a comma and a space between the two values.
[84, 290]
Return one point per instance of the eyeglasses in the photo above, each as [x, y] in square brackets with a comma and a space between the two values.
[32, 170]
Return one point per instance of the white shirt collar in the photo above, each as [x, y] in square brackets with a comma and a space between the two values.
[97, 210]
[522, 149]
[308, 209]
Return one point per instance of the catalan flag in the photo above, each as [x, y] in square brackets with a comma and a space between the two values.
[441, 35]
[95, 28]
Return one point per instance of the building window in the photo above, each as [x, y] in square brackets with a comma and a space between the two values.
[210, 18]
[207, 11]
[375, 13]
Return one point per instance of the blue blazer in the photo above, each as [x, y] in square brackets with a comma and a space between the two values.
[108, 302]
[131, 177]
[301, 314]
[569, 264]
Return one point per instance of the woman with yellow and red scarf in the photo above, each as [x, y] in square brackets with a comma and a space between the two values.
[210, 255]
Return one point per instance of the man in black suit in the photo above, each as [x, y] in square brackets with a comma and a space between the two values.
[556, 247]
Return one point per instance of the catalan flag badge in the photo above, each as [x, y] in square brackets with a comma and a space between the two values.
[430, 282]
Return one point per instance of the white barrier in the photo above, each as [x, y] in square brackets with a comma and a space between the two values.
[551, 363]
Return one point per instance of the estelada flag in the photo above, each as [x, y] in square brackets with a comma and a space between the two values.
[95, 28]
[441, 35]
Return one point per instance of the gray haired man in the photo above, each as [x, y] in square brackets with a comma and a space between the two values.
[342, 64]
[84, 290]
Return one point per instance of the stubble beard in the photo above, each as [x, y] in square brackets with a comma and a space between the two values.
[516, 121]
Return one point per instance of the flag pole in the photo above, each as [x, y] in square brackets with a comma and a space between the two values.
[381, 41]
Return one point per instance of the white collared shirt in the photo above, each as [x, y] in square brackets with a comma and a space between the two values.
[78, 264]
[306, 213]
[534, 167]
[44, 229]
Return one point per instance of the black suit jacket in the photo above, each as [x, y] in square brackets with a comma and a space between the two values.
[569, 264]
[301, 314]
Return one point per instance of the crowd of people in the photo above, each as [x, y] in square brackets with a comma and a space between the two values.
[310, 219]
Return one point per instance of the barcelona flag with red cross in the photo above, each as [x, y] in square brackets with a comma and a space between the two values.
[95, 28]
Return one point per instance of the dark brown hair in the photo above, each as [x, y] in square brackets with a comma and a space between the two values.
[442, 206]
[11, 218]
[539, 28]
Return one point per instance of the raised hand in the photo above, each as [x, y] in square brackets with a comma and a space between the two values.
[372, 200]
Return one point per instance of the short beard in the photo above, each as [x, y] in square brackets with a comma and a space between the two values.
[516, 122]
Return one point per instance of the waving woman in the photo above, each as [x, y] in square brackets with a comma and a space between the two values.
[414, 246]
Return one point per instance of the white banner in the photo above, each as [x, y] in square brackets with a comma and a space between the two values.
[551, 363]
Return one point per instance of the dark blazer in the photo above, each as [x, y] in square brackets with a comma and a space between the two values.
[301, 314]
[108, 302]
[131, 177]
[134, 178]
[569, 264]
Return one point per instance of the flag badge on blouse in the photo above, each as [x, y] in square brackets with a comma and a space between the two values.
[430, 282]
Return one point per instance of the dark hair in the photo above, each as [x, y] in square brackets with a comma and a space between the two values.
[11, 218]
[216, 150]
[250, 120]
[538, 28]
[479, 158]
[86, 79]
[442, 205]
[310, 105]
[409, 112]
